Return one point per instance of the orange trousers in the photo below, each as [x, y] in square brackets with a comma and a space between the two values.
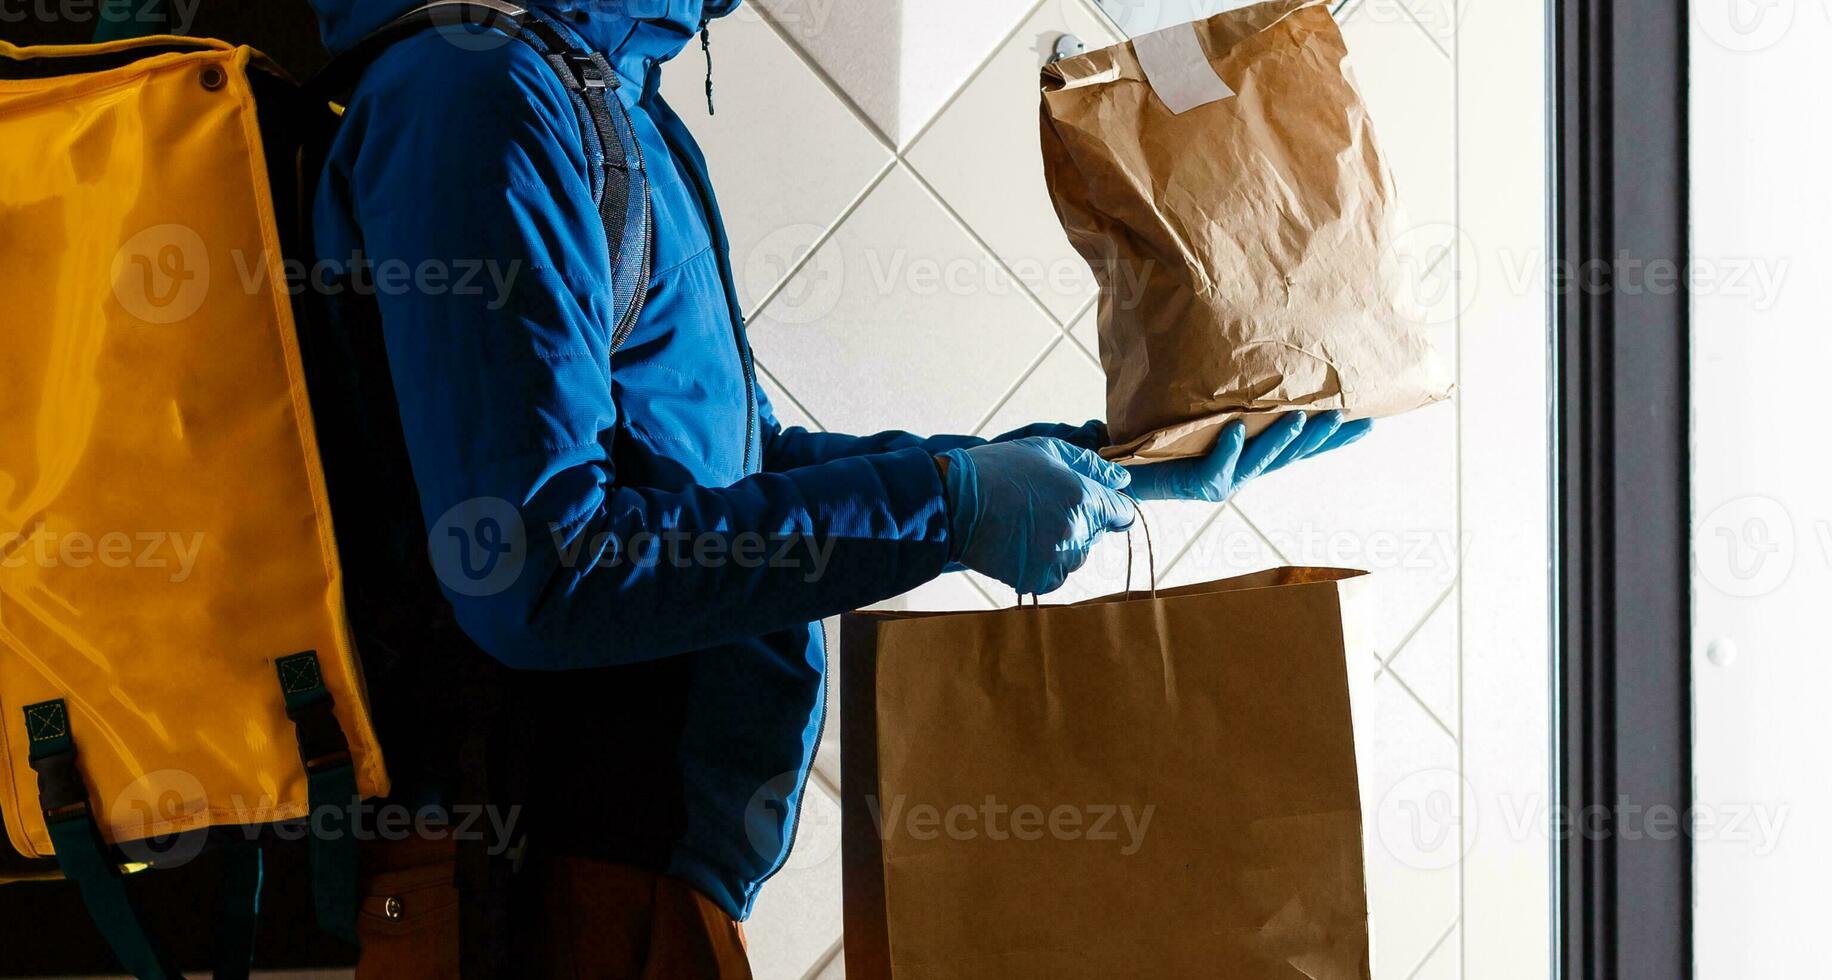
[595, 920]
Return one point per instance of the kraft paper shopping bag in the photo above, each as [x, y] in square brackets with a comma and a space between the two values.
[1223, 180]
[1135, 786]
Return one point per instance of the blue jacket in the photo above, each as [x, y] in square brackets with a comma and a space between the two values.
[530, 440]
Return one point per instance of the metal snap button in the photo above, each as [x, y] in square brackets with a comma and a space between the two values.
[392, 908]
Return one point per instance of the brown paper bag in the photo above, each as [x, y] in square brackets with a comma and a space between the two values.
[1223, 180]
[1127, 787]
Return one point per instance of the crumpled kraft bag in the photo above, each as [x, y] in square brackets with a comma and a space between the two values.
[1126, 787]
[1223, 180]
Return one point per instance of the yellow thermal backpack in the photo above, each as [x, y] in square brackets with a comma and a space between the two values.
[176, 663]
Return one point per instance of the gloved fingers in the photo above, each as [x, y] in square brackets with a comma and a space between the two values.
[1318, 430]
[1088, 463]
[1351, 432]
[1058, 570]
[1264, 448]
[1196, 478]
[1108, 510]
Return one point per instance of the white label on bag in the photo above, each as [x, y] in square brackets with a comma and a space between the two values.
[1178, 70]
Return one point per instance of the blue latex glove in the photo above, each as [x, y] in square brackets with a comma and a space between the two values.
[1027, 512]
[1091, 434]
[1237, 459]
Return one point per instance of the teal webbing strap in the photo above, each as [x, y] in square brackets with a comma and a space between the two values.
[118, 20]
[330, 792]
[81, 854]
[238, 909]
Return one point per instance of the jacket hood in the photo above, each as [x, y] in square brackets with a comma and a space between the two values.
[621, 29]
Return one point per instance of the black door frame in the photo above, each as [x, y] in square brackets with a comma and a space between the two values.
[1623, 529]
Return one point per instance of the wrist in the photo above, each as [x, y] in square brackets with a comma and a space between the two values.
[960, 495]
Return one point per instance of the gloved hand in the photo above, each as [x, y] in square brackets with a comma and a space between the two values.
[1091, 434]
[1027, 512]
[1237, 459]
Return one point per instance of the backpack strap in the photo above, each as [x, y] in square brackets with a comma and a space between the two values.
[84, 858]
[619, 182]
[81, 855]
[330, 791]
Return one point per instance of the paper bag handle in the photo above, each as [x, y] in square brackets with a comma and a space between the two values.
[1151, 555]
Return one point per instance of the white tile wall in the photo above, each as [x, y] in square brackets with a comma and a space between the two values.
[878, 165]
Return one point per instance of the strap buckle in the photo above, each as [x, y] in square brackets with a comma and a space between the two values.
[72, 811]
[322, 744]
[586, 71]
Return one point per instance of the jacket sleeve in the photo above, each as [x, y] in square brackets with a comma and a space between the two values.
[464, 173]
[796, 446]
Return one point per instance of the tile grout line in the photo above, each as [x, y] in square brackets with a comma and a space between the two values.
[972, 76]
[825, 960]
[827, 785]
[1386, 670]
[1201, 529]
[1386, 662]
[1433, 267]
[1023, 287]
[826, 80]
[1253, 525]
[786, 393]
[1454, 740]
[1436, 946]
[1088, 304]
[1414, 17]
[833, 228]
[1011, 392]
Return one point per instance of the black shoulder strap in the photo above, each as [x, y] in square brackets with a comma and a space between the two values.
[620, 185]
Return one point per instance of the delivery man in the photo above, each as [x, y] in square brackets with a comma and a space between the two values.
[635, 537]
